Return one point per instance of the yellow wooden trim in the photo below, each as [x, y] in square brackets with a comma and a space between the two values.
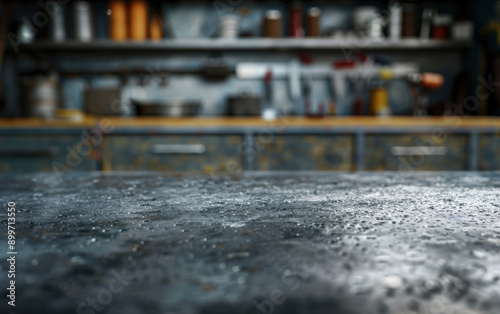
[87, 122]
[202, 122]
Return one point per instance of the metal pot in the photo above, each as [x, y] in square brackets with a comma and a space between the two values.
[243, 104]
[105, 102]
[39, 96]
[167, 108]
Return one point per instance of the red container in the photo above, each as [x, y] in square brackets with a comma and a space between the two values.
[440, 32]
[441, 26]
[296, 27]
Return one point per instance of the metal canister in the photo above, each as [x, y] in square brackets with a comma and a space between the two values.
[273, 24]
[395, 24]
[313, 22]
[56, 27]
[82, 21]
[39, 96]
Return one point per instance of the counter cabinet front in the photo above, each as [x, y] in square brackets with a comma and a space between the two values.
[414, 152]
[228, 146]
[223, 153]
[46, 153]
[489, 151]
[176, 153]
[305, 152]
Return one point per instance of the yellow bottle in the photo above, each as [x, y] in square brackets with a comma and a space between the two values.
[117, 20]
[379, 101]
[138, 12]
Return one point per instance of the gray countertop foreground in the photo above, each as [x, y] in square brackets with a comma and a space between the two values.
[261, 243]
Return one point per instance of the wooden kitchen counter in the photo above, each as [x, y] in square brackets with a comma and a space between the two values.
[298, 143]
[309, 122]
[200, 122]
[24, 123]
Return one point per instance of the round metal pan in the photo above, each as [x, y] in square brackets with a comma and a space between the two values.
[243, 104]
[167, 108]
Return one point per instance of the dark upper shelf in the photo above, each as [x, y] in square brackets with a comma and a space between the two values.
[253, 44]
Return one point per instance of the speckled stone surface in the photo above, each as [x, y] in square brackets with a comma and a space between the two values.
[261, 243]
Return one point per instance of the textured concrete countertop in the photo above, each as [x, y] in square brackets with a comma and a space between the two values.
[262, 243]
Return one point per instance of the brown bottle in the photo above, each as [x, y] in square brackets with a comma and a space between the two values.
[138, 12]
[273, 24]
[155, 27]
[313, 22]
[118, 19]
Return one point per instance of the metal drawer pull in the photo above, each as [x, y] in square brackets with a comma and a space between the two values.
[419, 150]
[51, 151]
[178, 149]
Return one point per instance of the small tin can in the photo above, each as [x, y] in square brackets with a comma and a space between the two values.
[273, 24]
[395, 21]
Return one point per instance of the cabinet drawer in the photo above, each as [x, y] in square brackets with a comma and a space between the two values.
[31, 153]
[416, 152]
[489, 152]
[305, 152]
[183, 153]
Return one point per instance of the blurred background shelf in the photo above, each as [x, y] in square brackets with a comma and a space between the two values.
[201, 44]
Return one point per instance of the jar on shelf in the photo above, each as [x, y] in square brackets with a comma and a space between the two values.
[313, 22]
[272, 26]
[379, 101]
[441, 24]
[117, 13]
[138, 12]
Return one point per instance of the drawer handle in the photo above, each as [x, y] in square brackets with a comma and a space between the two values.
[165, 149]
[419, 150]
[49, 152]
